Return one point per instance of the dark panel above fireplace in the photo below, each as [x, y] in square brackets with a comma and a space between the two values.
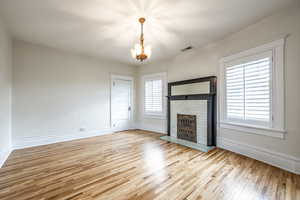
[187, 127]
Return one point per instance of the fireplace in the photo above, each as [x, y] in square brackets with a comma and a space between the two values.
[187, 127]
[192, 113]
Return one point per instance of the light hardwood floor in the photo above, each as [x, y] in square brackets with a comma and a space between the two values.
[138, 165]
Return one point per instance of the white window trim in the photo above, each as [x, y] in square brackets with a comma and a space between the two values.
[278, 96]
[163, 77]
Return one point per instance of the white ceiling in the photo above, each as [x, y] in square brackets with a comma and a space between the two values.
[109, 28]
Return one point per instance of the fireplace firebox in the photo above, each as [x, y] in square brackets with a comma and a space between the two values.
[187, 127]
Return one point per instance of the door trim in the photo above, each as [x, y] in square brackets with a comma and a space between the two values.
[126, 78]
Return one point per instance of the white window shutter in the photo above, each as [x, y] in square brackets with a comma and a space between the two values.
[258, 90]
[248, 91]
[153, 96]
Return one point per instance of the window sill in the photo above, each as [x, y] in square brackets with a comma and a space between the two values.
[254, 129]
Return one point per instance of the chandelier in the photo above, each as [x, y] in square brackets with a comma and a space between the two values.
[140, 52]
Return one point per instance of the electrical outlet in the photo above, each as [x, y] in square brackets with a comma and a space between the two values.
[81, 129]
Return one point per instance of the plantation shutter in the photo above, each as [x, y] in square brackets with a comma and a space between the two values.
[153, 96]
[248, 90]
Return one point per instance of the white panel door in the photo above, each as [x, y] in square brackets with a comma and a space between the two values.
[121, 103]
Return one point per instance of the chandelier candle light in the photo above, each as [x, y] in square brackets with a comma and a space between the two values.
[140, 52]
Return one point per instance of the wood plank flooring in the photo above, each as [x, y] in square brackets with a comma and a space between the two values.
[136, 165]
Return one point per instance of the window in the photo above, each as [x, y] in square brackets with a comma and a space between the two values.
[153, 96]
[252, 90]
[248, 90]
[154, 88]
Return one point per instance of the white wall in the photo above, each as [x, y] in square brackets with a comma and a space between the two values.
[5, 93]
[56, 93]
[205, 61]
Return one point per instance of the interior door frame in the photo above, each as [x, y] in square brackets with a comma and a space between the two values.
[126, 78]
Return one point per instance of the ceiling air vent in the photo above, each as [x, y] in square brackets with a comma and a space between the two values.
[186, 48]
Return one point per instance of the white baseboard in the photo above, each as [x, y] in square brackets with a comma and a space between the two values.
[4, 155]
[280, 160]
[151, 128]
[50, 139]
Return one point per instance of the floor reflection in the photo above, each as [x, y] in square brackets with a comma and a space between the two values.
[154, 162]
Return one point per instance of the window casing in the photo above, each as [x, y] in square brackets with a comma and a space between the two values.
[251, 89]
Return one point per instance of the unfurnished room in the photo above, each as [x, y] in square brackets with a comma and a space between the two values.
[149, 100]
